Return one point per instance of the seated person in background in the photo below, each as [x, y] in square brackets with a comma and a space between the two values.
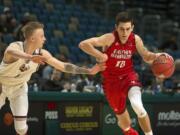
[169, 45]
[54, 83]
[66, 87]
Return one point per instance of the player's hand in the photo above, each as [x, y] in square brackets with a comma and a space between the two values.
[160, 79]
[164, 54]
[102, 59]
[38, 59]
[97, 68]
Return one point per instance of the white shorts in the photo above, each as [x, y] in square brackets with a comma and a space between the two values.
[17, 95]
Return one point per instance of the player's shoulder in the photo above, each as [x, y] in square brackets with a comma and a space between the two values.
[16, 45]
[108, 38]
[137, 37]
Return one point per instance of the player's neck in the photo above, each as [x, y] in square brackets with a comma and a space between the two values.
[123, 42]
[28, 48]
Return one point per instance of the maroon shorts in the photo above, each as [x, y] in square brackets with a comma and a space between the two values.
[116, 90]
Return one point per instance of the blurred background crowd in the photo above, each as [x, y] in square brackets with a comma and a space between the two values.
[67, 22]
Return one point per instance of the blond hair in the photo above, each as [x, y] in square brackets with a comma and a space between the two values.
[30, 27]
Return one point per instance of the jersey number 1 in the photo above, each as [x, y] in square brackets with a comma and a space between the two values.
[120, 64]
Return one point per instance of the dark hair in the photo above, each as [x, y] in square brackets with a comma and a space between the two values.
[123, 17]
[30, 27]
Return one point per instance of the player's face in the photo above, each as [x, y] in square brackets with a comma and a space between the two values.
[38, 38]
[124, 30]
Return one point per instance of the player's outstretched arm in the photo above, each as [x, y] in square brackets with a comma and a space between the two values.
[13, 53]
[71, 68]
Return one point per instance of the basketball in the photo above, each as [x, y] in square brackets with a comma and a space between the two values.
[8, 119]
[163, 66]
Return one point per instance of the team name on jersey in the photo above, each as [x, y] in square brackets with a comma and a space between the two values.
[121, 54]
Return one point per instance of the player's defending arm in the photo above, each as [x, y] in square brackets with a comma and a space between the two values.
[71, 68]
[89, 45]
[13, 53]
[147, 56]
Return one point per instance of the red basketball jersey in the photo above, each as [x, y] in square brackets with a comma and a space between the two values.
[120, 57]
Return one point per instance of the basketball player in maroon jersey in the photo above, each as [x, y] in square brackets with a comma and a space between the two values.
[119, 79]
[21, 59]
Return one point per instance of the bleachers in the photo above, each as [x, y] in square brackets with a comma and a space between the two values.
[56, 15]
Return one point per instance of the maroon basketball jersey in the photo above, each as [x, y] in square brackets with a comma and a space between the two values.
[120, 57]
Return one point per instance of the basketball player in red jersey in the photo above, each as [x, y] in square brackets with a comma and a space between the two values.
[120, 79]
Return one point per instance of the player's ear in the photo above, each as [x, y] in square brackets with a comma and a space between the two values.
[32, 38]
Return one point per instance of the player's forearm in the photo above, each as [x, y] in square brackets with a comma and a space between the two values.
[149, 57]
[70, 68]
[19, 54]
[89, 49]
[67, 67]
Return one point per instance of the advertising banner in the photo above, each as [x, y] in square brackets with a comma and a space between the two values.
[36, 118]
[166, 119]
[110, 121]
[51, 117]
[79, 118]
[110, 126]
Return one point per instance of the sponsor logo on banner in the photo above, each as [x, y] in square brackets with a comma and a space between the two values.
[79, 118]
[111, 119]
[33, 119]
[170, 118]
[51, 115]
[166, 119]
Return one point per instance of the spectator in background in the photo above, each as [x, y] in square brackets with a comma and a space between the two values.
[176, 76]
[169, 44]
[66, 87]
[46, 72]
[2, 49]
[11, 21]
[3, 28]
[81, 83]
[73, 88]
[25, 19]
[54, 83]
[64, 52]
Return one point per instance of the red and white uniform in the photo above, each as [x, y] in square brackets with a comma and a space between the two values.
[119, 75]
